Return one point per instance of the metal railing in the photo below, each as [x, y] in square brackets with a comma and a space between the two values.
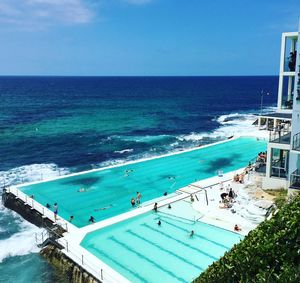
[296, 142]
[281, 136]
[295, 180]
[37, 206]
[279, 172]
[84, 259]
[80, 256]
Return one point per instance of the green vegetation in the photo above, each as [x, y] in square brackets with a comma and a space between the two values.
[270, 253]
[280, 197]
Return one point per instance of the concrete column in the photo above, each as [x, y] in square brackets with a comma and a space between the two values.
[268, 166]
[290, 88]
[281, 70]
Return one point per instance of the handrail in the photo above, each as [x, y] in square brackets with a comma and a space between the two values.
[295, 179]
[85, 259]
[280, 136]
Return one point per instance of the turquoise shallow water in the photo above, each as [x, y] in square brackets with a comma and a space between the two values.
[142, 251]
[108, 192]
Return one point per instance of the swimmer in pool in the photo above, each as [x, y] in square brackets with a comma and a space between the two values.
[127, 172]
[103, 208]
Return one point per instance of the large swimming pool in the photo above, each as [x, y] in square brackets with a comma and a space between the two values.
[108, 192]
[142, 251]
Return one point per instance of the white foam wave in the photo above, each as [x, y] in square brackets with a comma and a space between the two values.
[232, 124]
[146, 139]
[20, 243]
[127, 150]
[30, 173]
[23, 241]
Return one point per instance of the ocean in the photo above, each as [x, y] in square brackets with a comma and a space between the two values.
[58, 125]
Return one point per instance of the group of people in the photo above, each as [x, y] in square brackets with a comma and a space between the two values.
[227, 198]
[262, 157]
[239, 178]
[137, 200]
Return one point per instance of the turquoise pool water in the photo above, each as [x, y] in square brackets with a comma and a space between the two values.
[142, 251]
[108, 192]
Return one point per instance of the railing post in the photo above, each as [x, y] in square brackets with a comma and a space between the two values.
[101, 274]
[67, 246]
[82, 259]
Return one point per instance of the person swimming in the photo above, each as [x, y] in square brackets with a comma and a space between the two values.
[132, 201]
[82, 190]
[127, 172]
[155, 207]
[92, 219]
[159, 223]
[192, 233]
[104, 208]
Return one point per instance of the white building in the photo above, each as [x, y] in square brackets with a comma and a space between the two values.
[283, 154]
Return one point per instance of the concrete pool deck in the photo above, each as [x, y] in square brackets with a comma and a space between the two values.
[209, 213]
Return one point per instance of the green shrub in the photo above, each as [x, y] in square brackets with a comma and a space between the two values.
[270, 253]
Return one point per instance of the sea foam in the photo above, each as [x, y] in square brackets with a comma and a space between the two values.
[22, 242]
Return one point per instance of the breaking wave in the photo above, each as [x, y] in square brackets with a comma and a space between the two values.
[17, 235]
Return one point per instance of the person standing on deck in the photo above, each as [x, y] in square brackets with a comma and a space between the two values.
[55, 210]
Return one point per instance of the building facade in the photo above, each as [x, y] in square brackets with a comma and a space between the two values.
[282, 169]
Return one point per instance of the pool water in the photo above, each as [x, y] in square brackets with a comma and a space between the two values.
[142, 251]
[108, 192]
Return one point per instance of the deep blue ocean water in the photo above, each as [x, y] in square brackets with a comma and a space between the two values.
[54, 125]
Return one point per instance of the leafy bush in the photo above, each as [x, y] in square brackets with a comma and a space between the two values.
[270, 253]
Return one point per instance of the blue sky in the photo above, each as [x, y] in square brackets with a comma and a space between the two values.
[143, 37]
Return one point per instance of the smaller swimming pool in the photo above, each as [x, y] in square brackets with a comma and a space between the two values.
[143, 251]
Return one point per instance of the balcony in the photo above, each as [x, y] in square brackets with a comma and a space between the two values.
[279, 172]
[295, 180]
[281, 136]
[296, 142]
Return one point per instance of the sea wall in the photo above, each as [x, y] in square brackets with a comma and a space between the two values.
[73, 272]
[52, 251]
[10, 201]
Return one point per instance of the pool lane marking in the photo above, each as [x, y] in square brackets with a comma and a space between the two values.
[117, 262]
[165, 250]
[124, 245]
[196, 235]
[179, 241]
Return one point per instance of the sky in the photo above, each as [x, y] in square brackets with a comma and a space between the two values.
[143, 37]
